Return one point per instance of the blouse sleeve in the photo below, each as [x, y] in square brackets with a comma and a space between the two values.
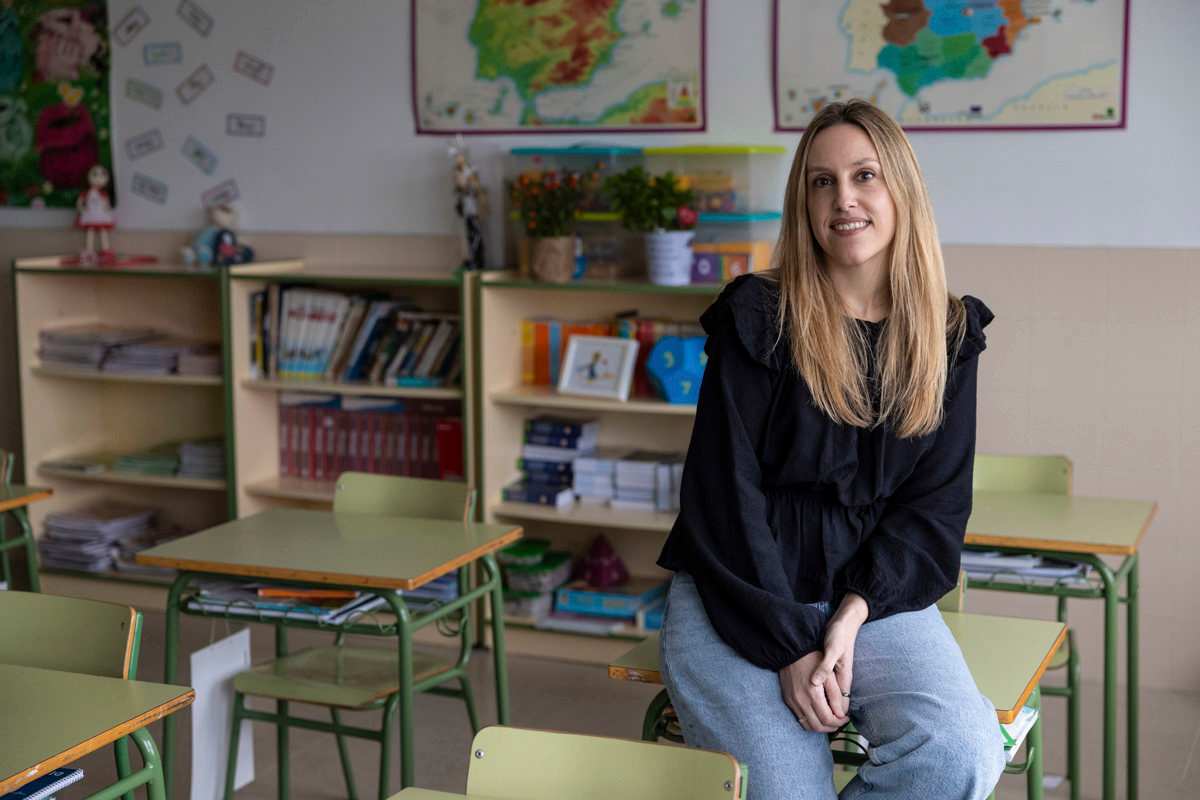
[724, 516]
[911, 559]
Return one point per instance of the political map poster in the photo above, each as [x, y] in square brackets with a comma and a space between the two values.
[558, 66]
[955, 65]
[54, 99]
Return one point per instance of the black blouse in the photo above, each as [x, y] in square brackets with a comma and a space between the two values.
[781, 506]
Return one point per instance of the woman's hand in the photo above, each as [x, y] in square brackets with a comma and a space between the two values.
[817, 687]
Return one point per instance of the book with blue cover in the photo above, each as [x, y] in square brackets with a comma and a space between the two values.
[562, 427]
[622, 601]
[47, 785]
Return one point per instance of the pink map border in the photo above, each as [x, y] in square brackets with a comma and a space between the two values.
[1121, 125]
[533, 131]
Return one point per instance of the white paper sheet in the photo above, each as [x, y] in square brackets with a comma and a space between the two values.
[213, 668]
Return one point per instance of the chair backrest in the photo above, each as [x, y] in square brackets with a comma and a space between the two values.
[69, 634]
[362, 493]
[7, 460]
[956, 598]
[512, 763]
[1019, 473]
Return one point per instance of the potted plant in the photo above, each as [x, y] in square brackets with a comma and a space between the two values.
[547, 203]
[660, 207]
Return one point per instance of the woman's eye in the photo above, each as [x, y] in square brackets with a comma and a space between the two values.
[866, 175]
[822, 180]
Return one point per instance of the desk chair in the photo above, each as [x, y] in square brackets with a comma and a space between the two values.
[518, 764]
[1044, 475]
[7, 460]
[360, 678]
[89, 637]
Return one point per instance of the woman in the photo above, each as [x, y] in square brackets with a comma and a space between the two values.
[827, 489]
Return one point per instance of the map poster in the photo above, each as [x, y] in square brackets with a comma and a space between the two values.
[955, 64]
[558, 66]
[54, 101]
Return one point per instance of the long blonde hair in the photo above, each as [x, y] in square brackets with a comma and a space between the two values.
[827, 346]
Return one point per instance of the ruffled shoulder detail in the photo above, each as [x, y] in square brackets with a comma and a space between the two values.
[748, 304]
[974, 340]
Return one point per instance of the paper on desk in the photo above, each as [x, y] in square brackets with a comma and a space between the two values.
[213, 668]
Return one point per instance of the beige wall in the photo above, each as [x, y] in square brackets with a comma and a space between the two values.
[1094, 353]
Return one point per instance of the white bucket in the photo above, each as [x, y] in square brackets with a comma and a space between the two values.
[669, 257]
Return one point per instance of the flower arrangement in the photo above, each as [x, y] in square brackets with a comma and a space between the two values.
[548, 201]
[649, 203]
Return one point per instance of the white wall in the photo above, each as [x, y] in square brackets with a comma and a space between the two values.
[340, 153]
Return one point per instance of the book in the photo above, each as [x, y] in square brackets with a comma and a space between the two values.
[562, 427]
[46, 786]
[622, 601]
[1014, 733]
[522, 492]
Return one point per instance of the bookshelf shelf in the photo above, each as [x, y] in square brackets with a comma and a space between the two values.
[133, 479]
[115, 576]
[363, 389]
[591, 516]
[116, 377]
[548, 397]
[291, 489]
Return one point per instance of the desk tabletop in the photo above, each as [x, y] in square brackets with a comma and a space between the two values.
[15, 495]
[368, 550]
[1066, 523]
[1006, 656]
[53, 718]
[413, 793]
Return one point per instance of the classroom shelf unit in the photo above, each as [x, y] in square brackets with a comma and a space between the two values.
[502, 301]
[70, 413]
[254, 400]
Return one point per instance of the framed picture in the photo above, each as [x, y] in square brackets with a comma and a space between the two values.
[598, 366]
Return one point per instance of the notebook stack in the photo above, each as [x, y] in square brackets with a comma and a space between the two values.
[648, 481]
[203, 360]
[156, 356]
[203, 458]
[532, 571]
[86, 346]
[551, 446]
[160, 460]
[596, 476]
[90, 538]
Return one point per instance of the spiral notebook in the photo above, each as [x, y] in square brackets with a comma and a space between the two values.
[47, 785]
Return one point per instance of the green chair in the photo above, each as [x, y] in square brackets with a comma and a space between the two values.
[7, 460]
[92, 638]
[519, 764]
[1048, 474]
[25, 540]
[342, 677]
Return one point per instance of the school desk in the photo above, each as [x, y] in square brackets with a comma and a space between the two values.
[13, 500]
[1006, 655]
[368, 552]
[53, 718]
[1081, 530]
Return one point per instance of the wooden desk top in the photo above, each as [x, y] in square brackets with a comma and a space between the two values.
[413, 793]
[15, 495]
[53, 718]
[366, 550]
[1066, 523]
[1006, 656]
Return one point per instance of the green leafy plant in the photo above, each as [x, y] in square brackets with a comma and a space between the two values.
[648, 202]
[548, 201]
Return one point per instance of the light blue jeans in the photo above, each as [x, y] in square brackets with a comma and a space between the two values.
[932, 734]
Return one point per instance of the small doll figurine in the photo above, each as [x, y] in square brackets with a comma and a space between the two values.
[96, 214]
[217, 243]
[470, 204]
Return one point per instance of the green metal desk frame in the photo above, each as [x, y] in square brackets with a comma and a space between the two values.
[1110, 592]
[13, 500]
[405, 625]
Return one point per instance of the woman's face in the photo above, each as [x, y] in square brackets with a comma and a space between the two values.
[850, 210]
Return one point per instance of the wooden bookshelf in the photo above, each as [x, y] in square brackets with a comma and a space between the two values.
[503, 300]
[254, 400]
[69, 411]
[359, 389]
[118, 377]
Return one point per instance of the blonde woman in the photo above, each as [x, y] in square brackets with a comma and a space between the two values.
[827, 489]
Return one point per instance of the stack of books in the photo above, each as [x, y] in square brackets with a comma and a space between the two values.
[551, 446]
[323, 435]
[301, 334]
[648, 481]
[544, 344]
[583, 609]
[157, 356]
[204, 360]
[1030, 569]
[596, 477]
[89, 538]
[328, 606]
[86, 346]
[203, 458]
[161, 459]
[532, 571]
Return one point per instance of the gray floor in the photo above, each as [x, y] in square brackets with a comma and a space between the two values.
[559, 696]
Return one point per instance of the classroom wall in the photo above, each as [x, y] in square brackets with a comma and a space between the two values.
[1084, 244]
